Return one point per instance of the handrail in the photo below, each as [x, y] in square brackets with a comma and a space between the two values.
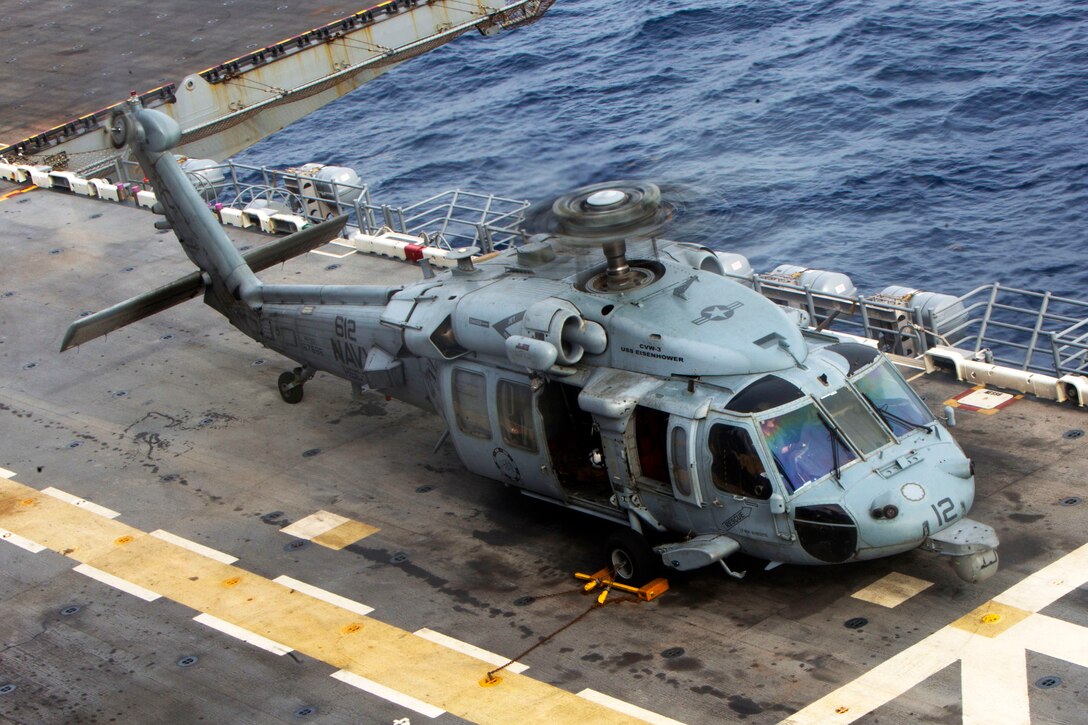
[1033, 331]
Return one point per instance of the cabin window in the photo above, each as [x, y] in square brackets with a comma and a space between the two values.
[515, 403]
[651, 430]
[470, 404]
[735, 465]
[681, 466]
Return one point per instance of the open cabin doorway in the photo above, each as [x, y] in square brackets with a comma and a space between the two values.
[574, 443]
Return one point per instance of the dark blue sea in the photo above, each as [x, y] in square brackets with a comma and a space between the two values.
[940, 145]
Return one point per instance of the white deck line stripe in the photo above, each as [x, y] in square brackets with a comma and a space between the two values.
[1049, 584]
[81, 502]
[994, 683]
[386, 693]
[314, 525]
[979, 653]
[330, 254]
[117, 583]
[1053, 638]
[243, 634]
[325, 596]
[471, 650]
[13, 538]
[5, 473]
[194, 547]
[627, 708]
[887, 681]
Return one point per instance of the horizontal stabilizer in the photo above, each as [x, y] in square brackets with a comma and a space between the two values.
[191, 285]
[131, 310]
[269, 255]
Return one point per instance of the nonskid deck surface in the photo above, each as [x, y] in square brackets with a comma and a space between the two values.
[63, 61]
[174, 425]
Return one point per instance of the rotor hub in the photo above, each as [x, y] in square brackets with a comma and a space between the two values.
[608, 215]
[612, 210]
[605, 197]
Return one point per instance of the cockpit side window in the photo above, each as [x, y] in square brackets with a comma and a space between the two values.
[735, 465]
[470, 404]
[515, 403]
[893, 399]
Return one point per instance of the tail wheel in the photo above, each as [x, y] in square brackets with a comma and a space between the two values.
[119, 129]
[631, 557]
[290, 388]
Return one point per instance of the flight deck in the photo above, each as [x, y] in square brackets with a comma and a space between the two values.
[63, 63]
[180, 545]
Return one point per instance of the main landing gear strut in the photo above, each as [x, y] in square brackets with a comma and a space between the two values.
[291, 382]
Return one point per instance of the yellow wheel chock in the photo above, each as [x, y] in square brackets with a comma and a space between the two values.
[602, 578]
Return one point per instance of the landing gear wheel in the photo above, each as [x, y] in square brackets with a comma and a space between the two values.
[631, 558]
[290, 388]
[119, 129]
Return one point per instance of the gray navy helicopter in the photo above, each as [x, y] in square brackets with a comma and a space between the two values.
[645, 388]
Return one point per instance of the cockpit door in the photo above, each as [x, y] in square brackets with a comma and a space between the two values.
[737, 483]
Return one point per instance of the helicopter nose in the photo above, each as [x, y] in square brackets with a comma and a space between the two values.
[962, 468]
[887, 511]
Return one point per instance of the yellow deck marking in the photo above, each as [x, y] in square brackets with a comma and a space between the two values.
[378, 652]
[892, 590]
[330, 530]
[17, 192]
[991, 619]
[343, 535]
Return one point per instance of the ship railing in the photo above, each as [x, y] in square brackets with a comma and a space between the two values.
[451, 219]
[1024, 329]
[897, 326]
[1032, 331]
[458, 218]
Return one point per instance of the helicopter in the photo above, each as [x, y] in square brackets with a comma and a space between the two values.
[641, 386]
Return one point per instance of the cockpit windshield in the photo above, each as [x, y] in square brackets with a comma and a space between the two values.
[803, 447]
[893, 399]
[855, 420]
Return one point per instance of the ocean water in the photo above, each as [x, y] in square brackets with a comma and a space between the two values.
[940, 145]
